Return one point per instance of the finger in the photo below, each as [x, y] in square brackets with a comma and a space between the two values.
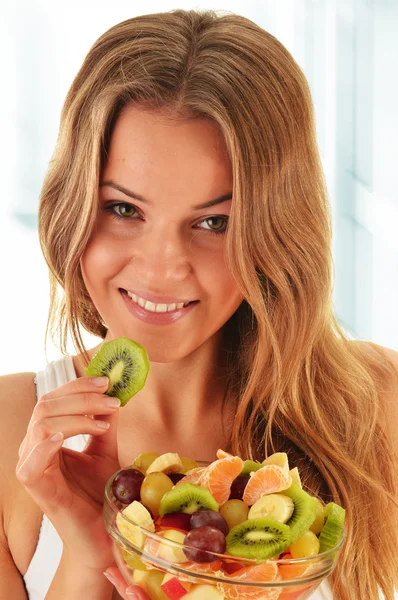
[136, 593]
[80, 385]
[106, 445]
[86, 403]
[31, 470]
[69, 425]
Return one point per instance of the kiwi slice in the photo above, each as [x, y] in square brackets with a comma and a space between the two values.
[258, 538]
[304, 512]
[249, 466]
[125, 363]
[333, 529]
[187, 498]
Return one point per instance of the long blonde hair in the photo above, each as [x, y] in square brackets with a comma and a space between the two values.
[300, 383]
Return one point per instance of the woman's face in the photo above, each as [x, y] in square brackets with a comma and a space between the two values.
[164, 201]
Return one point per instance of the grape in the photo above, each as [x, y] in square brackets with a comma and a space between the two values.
[234, 512]
[238, 487]
[307, 545]
[144, 460]
[177, 520]
[127, 485]
[206, 516]
[201, 539]
[175, 477]
[153, 488]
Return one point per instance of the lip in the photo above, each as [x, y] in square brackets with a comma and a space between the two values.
[156, 318]
[158, 299]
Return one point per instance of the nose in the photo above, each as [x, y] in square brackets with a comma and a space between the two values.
[161, 258]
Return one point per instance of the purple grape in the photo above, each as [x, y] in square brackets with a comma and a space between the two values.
[175, 477]
[127, 485]
[202, 539]
[238, 487]
[206, 516]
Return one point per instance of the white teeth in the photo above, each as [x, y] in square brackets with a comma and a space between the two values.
[158, 308]
[161, 308]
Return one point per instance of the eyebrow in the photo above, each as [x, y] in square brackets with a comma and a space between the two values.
[135, 196]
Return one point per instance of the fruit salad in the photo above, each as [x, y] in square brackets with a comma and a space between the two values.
[231, 529]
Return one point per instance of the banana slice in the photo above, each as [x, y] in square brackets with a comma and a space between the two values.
[277, 506]
[295, 476]
[137, 513]
[280, 459]
[166, 463]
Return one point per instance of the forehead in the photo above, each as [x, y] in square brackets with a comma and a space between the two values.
[152, 146]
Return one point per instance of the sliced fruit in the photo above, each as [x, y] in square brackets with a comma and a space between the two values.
[334, 527]
[172, 552]
[234, 512]
[304, 511]
[223, 454]
[153, 488]
[166, 463]
[250, 466]
[126, 365]
[144, 460]
[276, 506]
[319, 522]
[132, 560]
[294, 570]
[140, 516]
[295, 476]
[204, 592]
[187, 498]
[307, 545]
[265, 572]
[174, 588]
[270, 479]
[193, 476]
[280, 459]
[260, 539]
[219, 476]
[151, 581]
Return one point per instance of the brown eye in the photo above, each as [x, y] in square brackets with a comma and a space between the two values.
[124, 210]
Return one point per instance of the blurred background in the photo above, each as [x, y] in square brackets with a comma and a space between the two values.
[348, 50]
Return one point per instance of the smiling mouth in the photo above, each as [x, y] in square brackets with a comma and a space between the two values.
[154, 307]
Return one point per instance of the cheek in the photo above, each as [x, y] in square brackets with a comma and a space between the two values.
[100, 260]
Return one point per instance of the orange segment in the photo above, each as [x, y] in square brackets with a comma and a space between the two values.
[220, 475]
[222, 454]
[195, 476]
[270, 479]
[266, 571]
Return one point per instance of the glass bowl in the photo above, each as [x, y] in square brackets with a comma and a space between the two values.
[160, 567]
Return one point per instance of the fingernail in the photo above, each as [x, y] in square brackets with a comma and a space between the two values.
[111, 401]
[110, 578]
[102, 424]
[57, 437]
[100, 381]
[131, 594]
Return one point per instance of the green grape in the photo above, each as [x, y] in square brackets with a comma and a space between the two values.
[153, 488]
[319, 522]
[234, 512]
[144, 460]
[307, 545]
[188, 464]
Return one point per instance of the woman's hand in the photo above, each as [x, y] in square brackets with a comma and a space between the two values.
[69, 486]
[127, 592]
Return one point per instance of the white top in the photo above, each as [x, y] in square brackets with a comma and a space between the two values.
[48, 551]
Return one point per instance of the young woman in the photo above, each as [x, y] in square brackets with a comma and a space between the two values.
[187, 171]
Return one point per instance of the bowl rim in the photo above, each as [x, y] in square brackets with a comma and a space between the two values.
[129, 546]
